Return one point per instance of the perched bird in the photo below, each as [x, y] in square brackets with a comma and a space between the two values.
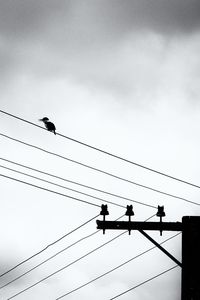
[49, 125]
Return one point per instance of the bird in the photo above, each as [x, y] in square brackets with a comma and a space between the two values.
[49, 125]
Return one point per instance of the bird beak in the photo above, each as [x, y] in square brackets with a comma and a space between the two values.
[40, 120]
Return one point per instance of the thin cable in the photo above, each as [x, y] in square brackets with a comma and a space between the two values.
[21, 119]
[48, 190]
[64, 187]
[61, 269]
[101, 171]
[150, 218]
[48, 246]
[114, 269]
[108, 153]
[69, 159]
[74, 161]
[51, 257]
[77, 183]
[71, 262]
[138, 285]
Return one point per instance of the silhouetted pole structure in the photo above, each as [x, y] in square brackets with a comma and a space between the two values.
[191, 258]
[190, 227]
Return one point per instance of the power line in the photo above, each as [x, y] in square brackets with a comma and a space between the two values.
[108, 153]
[61, 269]
[48, 246]
[138, 285]
[148, 218]
[48, 190]
[51, 257]
[90, 252]
[64, 187]
[21, 119]
[101, 171]
[114, 269]
[77, 183]
[71, 160]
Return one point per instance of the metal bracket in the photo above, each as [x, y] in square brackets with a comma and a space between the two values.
[160, 247]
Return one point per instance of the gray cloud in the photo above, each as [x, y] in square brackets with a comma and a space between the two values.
[158, 15]
[95, 42]
[19, 17]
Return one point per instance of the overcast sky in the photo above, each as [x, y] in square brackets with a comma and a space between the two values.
[119, 75]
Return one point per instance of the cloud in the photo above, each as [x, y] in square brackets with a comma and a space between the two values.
[131, 49]
[21, 18]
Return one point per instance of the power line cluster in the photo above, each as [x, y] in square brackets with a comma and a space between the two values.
[142, 283]
[5, 160]
[114, 269]
[107, 153]
[101, 171]
[73, 262]
[49, 245]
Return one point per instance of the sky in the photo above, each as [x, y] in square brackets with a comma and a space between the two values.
[122, 76]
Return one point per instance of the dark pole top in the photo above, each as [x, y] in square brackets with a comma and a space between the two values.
[123, 225]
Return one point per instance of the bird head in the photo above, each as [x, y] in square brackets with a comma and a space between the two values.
[45, 119]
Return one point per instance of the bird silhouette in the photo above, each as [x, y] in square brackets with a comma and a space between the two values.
[49, 125]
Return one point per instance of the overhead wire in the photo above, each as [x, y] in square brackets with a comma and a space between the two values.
[54, 255]
[148, 280]
[62, 186]
[115, 268]
[66, 266]
[73, 262]
[78, 183]
[107, 153]
[48, 246]
[51, 191]
[48, 259]
[102, 171]
[73, 161]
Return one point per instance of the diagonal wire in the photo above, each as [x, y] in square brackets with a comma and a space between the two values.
[107, 153]
[51, 257]
[48, 259]
[74, 161]
[64, 187]
[61, 269]
[101, 171]
[77, 183]
[114, 269]
[80, 258]
[69, 159]
[138, 285]
[48, 190]
[49, 245]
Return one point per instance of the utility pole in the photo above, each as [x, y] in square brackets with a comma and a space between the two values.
[190, 227]
[191, 258]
